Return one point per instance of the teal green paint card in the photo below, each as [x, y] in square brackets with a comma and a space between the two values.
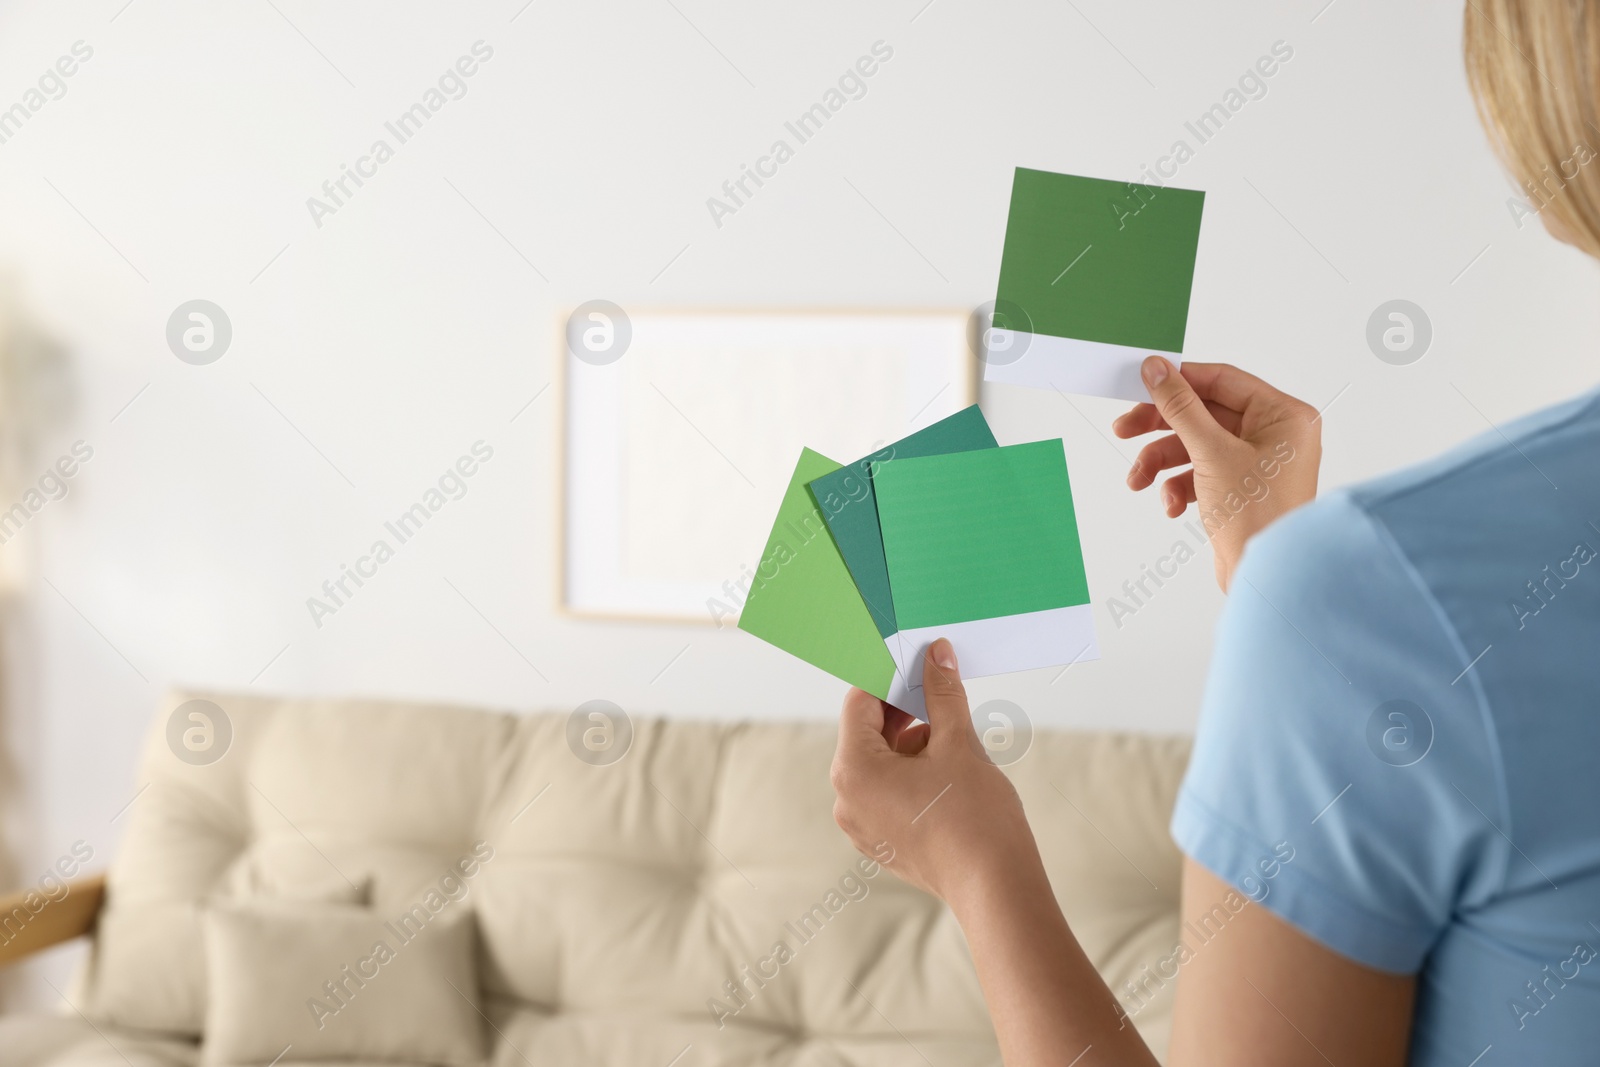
[846, 500]
[1096, 275]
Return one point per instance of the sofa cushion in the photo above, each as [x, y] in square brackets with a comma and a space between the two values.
[72, 1041]
[653, 892]
[590, 1039]
[253, 881]
[292, 981]
[371, 794]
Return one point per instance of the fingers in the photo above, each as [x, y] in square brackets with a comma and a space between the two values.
[912, 740]
[906, 734]
[1226, 390]
[1181, 407]
[861, 726]
[1144, 418]
[1156, 457]
[1178, 493]
[1138, 421]
[946, 698]
[1229, 385]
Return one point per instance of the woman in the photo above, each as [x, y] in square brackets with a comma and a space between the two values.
[1405, 703]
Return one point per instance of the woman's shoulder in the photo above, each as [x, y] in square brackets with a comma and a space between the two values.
[1513, 457]
[1400, 668]
[1463, 518]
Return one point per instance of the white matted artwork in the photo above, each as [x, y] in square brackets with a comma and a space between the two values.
[678, 452]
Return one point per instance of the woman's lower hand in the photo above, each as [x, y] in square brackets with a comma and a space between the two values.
[1255, 450]
[949, 817]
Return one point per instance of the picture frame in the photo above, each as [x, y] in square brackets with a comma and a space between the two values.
[679, 433]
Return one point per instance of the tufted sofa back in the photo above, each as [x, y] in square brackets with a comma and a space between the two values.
[628, 910]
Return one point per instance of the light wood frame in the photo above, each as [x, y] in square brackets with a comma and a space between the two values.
[61, 920]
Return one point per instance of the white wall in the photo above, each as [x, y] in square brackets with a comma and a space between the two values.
[405, 328]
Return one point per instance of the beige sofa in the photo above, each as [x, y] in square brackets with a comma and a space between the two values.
[624, 900]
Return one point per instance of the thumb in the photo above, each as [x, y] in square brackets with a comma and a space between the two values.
[1180, 405]
[948, 714]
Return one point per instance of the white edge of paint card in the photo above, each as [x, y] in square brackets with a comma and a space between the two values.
[1054, 637]
[1089, 368]
[907, 699]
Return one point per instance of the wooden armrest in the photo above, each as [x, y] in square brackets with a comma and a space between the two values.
[25, 930]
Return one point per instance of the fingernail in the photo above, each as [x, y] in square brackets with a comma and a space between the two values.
[944, 654]
[1155, 371]
[1133, 474]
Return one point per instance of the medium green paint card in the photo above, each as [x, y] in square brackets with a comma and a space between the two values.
[1096, 275]
[802, 598]
[849, 504]
[982, 547]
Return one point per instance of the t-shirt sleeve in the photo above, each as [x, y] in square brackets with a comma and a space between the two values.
[1344, 774]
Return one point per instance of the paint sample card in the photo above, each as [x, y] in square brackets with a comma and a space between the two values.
[982, 548]
[802, 598]
[850, 505]
[1096, 275]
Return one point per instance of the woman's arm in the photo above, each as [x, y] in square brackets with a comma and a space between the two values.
[1262, 993]
[1047, 1002]
[1258, 993]
[957, 829]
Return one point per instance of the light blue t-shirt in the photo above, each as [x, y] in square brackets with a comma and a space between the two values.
[1406, 696]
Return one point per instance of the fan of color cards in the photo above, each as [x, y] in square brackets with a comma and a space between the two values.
[947, 534]
[1096, 276]
[942, 534]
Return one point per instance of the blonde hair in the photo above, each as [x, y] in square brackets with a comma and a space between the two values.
[1532, 66]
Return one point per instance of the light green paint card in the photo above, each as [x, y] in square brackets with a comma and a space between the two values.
[1096, 275]
[802, 599]
[982, 548]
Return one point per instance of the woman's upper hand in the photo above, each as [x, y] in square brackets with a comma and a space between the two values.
[1255, 451]
[926, 795]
